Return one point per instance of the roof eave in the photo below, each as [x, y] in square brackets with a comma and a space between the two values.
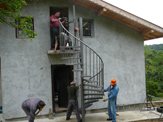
[148, 29]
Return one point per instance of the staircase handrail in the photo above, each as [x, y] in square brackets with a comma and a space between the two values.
[85, 45]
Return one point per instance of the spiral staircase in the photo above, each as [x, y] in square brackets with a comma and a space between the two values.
[87, 64]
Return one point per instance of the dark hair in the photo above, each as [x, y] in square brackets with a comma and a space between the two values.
[57, 12]
[41, 103]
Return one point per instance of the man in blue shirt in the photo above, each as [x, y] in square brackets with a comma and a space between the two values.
[113, 90]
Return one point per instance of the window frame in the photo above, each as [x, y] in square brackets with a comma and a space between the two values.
[92, 27]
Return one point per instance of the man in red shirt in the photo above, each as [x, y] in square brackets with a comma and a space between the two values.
[54, 29]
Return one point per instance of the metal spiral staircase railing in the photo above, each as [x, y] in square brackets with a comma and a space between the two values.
[87, 63]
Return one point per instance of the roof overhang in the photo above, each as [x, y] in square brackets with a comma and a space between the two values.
[148, 29]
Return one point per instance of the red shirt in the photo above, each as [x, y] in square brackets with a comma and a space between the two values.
[52, 24]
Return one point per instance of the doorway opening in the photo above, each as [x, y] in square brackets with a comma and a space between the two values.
[62, 10]
[62, 75]
[63, 15]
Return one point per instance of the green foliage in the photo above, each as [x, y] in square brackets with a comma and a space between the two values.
[156, 47]
[160, 95]
[10, 12]
[152, 88]
[154, 70]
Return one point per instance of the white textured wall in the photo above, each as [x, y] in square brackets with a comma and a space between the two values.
[0, 85]
[26, 68]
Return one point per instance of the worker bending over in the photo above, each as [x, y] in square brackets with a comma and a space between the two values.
[30, 106]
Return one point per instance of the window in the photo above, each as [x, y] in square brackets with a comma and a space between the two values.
[88, 27]
[19, 33]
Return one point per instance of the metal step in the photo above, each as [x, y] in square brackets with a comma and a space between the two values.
[87, 94]
[77, 70]
[69, 46]
[97, 90]
[73, 63]
[92, 98]
[69, 52]
[86, 75]
[87, 105]
[96, 86]
[90, 101]
[89, 81]
[71, 58]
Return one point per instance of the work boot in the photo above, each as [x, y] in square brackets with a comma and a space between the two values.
[109, 119]
[80, 120]
[67, 118]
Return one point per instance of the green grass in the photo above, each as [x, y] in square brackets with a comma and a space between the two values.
[156, 99]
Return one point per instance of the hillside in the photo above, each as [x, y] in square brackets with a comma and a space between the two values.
[157, 47]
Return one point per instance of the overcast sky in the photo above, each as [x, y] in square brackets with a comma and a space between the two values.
[150, 10]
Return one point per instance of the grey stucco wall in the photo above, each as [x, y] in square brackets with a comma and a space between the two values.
[26, 67]
[0, 85]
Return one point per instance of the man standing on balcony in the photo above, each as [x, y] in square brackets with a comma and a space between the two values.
[54, 29]
[73, 103]
[113, 90]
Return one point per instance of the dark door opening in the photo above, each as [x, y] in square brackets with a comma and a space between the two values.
[62, 75]
[62, 10]
[63, 14]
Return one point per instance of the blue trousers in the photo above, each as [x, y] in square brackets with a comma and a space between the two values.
[112, 109]
[54, 31]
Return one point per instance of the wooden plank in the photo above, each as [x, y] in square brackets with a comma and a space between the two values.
[101, 11]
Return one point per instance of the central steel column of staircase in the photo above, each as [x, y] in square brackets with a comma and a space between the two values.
[87, 63]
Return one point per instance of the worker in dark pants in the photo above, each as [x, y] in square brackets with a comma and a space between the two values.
[73, 103]
[30, 106]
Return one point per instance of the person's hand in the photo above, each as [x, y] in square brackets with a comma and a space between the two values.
[80, 86]
[64, 21]
[39, 110]
[105, 99]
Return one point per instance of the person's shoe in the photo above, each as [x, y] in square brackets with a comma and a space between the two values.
[67, 118]
[109, 119]
[80, 120]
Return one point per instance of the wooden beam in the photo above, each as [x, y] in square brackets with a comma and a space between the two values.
[148, 31]
[101, 11]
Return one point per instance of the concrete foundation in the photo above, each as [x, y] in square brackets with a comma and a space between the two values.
[127, 116]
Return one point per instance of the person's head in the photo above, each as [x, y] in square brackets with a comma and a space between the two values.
[73, 83]
[41, 104]
[57, 14]
[113, 82]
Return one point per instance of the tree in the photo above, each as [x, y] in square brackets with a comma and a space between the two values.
[10, 12]
[152, 88]
[154, 69]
